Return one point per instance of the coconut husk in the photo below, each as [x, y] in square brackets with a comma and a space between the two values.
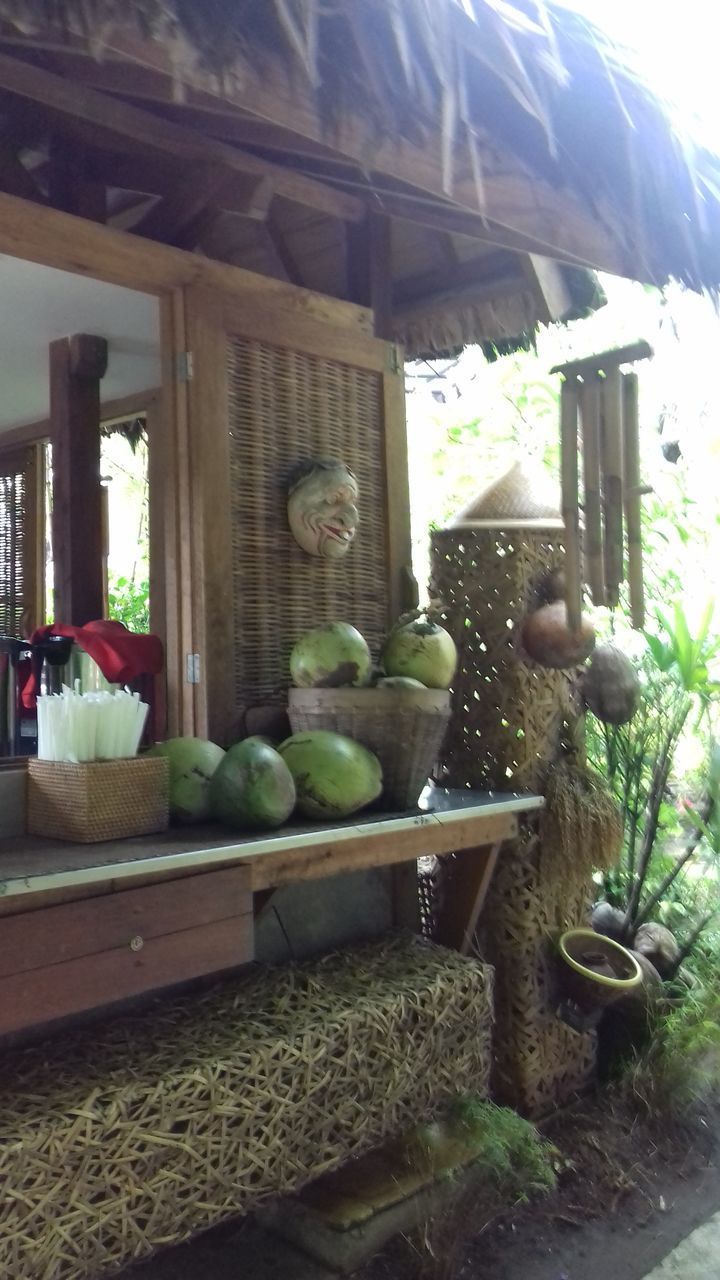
[581, 826]
[609, 921]
[659, 945]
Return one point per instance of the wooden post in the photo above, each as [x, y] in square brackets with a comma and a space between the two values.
[76, 367]
[469, 880]
[369, 269]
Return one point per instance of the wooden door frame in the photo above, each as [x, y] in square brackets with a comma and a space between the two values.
[183, 502]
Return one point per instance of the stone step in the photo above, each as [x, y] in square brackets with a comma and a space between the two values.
[343, 1218]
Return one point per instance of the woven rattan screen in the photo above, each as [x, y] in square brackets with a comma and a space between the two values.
[14, 534]
[286, 406]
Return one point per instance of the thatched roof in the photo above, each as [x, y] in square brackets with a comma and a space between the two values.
[492, 123]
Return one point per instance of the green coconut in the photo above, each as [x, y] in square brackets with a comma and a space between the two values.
[331, 657]
[193, 762]
[422, 651]
[334, 776]
[252, 787]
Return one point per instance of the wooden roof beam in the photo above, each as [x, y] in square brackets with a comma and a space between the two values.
[69, 186]
[238, 193]
[88, 113]
[479, 272]
[437, 216]
[170, 219]
[15, 178]
[553, 221]
[281, 252]
[547, 283]
[470, 294]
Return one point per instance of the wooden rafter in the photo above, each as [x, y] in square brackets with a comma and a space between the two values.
[485, 271]
[448, 218]
[547, 283]
[276, 239]
[70, 187]
[175, 212]
[521, 209]
[92, 115]
[15, 178]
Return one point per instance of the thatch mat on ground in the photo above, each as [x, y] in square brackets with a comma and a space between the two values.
[132, 1136]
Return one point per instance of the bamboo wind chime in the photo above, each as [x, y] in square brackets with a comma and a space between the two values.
[599, 407]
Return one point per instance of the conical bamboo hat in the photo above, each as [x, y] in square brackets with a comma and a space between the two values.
[520, 494]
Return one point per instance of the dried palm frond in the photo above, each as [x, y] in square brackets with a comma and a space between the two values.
[581, 826]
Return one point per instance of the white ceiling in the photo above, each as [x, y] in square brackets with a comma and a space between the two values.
[39, 304]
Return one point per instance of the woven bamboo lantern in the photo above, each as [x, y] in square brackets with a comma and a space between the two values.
[508, 721]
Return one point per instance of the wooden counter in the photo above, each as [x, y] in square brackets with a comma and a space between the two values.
[85, 926]
[446, 821]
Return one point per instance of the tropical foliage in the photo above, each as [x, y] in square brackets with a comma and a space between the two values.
[472, 422]
[668, 868]
[129, 602]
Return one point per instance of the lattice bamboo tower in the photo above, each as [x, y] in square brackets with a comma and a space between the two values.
[509, 719]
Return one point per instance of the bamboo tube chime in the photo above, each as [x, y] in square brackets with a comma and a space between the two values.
[603, 540]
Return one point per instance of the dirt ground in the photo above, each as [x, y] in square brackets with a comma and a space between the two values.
[627, 1194]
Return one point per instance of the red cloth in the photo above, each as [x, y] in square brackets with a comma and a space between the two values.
[121, 655]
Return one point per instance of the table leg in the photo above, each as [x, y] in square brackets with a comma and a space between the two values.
[468, 881]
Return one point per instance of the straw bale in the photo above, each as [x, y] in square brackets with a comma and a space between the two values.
[122, 1139]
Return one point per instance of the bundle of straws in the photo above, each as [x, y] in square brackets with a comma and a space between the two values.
[81, 727]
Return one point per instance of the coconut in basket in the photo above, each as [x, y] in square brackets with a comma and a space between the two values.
[393, 712]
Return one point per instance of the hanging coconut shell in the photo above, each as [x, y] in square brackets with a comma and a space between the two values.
[608, 921]
[658, 945]
[610, 686]
[548, 640]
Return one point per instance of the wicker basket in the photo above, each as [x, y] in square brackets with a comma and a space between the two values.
[403, 727]
[107, 800]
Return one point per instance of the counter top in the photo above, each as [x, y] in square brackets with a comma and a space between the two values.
[444, 822]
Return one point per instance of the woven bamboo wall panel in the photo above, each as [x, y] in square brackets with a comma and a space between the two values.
[136, 1134]
[286, 407]
[508, 714]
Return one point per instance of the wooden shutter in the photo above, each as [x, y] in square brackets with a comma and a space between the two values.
[270, 388]
[21, 539]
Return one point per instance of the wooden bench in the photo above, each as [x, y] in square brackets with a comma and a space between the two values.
[129, 1136]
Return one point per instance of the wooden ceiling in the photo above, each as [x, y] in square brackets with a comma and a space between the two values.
[108, 141]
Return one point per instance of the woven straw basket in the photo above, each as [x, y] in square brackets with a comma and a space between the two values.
[105, 800]
[403, 727]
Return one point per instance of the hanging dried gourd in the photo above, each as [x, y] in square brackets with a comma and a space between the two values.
[610, 685]
[548, 639]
